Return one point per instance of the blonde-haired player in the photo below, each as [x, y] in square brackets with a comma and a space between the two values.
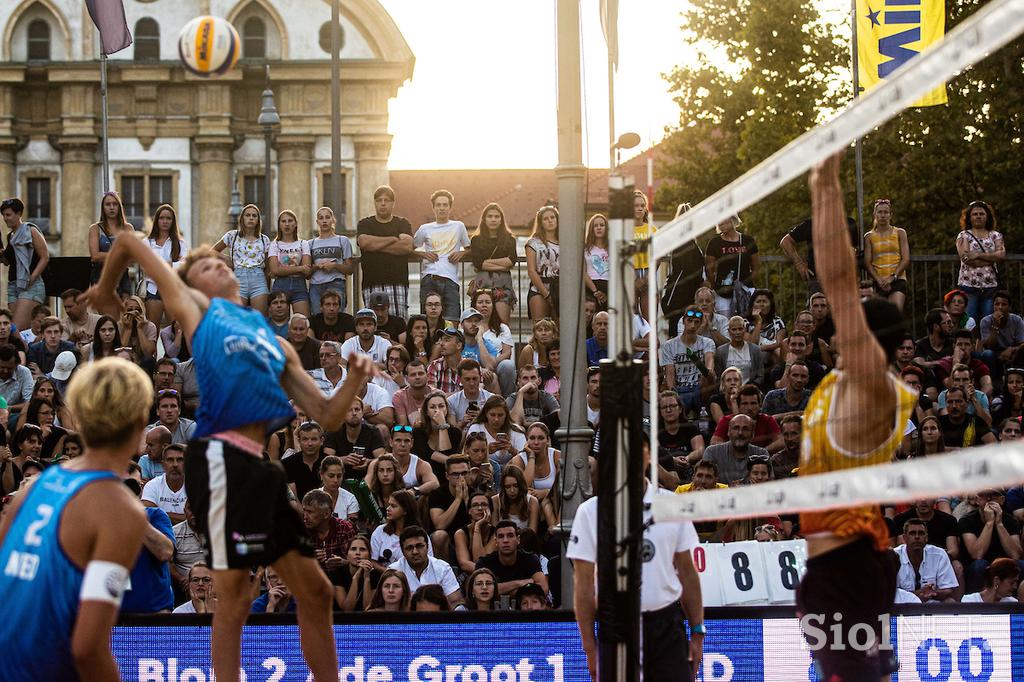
[70, 539]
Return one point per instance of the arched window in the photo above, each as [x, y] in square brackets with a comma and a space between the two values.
[39, 40]
[254, 39]
[147, 39]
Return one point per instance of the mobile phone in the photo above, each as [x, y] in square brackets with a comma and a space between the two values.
[359, 451]
[502, 436]
[472, 405]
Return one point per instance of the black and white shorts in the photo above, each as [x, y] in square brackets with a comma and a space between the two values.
[240, 503]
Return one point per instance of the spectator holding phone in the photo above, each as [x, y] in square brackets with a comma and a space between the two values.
[465, 405]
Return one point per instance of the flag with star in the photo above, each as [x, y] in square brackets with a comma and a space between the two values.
[891, 32]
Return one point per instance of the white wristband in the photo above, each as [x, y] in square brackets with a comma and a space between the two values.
[104, 581]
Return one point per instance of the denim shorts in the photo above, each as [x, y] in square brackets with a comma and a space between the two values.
[294, 286]
[35, 292]
[252, 282]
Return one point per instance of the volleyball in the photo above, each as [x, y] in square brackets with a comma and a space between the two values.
[209, 46]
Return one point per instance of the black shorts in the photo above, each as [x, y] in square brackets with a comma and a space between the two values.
[666, 650]
[897, 285]
[240, 503]
[859, 582]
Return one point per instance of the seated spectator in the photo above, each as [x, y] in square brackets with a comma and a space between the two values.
[512, 567]
[356, 442]
[436, 437]
[9, 337]
[360, 578]
[74, 446]
[791, 400]
[330, 535]
[821, 311]
[400, 512]
[393, 377]
[484, 469]
[705, 477]
[688, 360]
[530, 403]
[389, 326]
[816, 350]
[535, 352]
[408, 401]
[514, 501]
[480, 590]
[26, 445]
[331, 373]
[942, 527]
[42, 354]
[189, 547]
[955, 303]
[712, 326]
[740, 353]
[551, 376]
[1009, 402]
[201, 597]
[504, 438]
[959, 429]
[136, 331]
[443, 372]
[187, 383]
[764, 327]
[597, 345]
[988, 533]
[420, 568]
[475, 348]
[377, 407]
[593, 398]
[476, 538]
[925, 569]
[366, 341]
[759, 470]
[963, 347]
[343, 503]
[417, 338]
[168, 411]
[163, 377]
[904, 360]
[931, 439]
[798, 347]
[449, 504]
[429, 598]
[1002, 584]
[392, 593]
[731, 456]
[302, 468]
[465, 405]
[1002, 333]
[278, 317]
[680, 442]
[149, 587]
[64, 366]
[173, 340]
[531, 597]
[386, 479]
[938, 343]
[16, 380]
[538, 460]
[1009, 429]
[34, 331]
[277, 598]
[285, 440]
[977, 402]
[913, 376]
[766, 429]
[78, 323]
[167, 491]
[725, 401]
[497, 335]
[305, 345]
[416, 473]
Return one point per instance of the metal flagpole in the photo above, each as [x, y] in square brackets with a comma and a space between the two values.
[858, 147]
[105, 151]
[336, 189]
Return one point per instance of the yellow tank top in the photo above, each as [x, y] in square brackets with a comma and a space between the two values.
[642, 232]
[885, 252]
[819, 454]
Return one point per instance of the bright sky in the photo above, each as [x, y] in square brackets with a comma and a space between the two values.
[483, 91]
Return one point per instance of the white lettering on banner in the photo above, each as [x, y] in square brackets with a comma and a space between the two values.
[429, 669]
[717, 668]
[960, 648]
[998, 465]
[358, 672]
[154, 670]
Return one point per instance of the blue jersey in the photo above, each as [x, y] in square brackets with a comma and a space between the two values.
[238, 363]
[39, 584]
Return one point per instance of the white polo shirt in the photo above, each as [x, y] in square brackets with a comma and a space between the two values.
[660, 583]
[378, 351]
[935, 569]
[437, 572]
[375, 400]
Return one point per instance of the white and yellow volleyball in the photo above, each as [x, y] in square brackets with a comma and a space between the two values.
[209, 46]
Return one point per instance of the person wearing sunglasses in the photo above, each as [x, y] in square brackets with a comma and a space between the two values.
[415, 472]
[689, 360]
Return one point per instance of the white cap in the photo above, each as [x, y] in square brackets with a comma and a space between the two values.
[64, 366]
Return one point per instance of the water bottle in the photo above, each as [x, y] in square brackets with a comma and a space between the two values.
[368, 506]
[704, 421]
[727, 282]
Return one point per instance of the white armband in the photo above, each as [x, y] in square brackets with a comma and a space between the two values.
[104, 581]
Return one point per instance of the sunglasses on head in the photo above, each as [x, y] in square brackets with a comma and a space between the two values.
[400, 428]
[696, 314]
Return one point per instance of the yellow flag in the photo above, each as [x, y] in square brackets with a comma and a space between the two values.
[891, 32]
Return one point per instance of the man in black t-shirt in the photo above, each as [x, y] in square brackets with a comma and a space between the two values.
[988, 533]
[942, 527]
[355, 433]
[512, 567]
[801, 234]
[680, 443]
[959, 429]
[449, 509]
[387, 324]
[385, 243]
[331, 323]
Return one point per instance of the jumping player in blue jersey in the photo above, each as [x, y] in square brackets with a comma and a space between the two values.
[239, 499]
[70, 538]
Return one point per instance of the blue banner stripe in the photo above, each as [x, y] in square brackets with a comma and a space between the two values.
[906, 17]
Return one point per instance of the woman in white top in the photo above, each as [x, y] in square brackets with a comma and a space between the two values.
[290, 262]
[514, 501]
[498, 342]
[539, 461]
[248, 251]
[504, 438]
[331, 254]
[595, 259]
[1002, 583]
[332, 471]
[542, 264]
[400, 512]
[165, 239]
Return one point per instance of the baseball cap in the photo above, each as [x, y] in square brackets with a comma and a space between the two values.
[64, 365]
[457, 333]
[470, 312]
[378, 299]
[367, 313]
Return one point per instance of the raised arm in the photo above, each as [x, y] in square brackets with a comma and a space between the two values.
[329, 412]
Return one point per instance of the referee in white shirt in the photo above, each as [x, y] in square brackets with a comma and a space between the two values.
[668, 580]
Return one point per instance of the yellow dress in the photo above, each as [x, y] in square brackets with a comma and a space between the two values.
[819, 454]
[885, 252]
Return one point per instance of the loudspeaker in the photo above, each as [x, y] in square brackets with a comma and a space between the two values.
[66, 272]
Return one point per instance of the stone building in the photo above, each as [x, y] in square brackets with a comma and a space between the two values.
[180, 139]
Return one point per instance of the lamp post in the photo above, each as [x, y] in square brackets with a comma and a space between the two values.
[235, 209]
[268, 120]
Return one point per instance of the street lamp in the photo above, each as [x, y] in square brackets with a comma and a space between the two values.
[235, 209]
[268, 120]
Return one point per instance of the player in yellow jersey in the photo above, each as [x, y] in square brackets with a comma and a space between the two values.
[855, 417]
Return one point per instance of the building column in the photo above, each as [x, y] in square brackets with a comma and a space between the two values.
[7, 178]
[372, 153]
[77, 193]
[214, 168]
[294, 187]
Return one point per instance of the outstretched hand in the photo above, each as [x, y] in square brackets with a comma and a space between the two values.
[103, 302]
[827, 170]
[362, 365]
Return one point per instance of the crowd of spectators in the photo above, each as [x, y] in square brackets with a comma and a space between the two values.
[436, 492]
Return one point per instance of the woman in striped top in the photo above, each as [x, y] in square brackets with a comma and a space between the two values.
[887, 255]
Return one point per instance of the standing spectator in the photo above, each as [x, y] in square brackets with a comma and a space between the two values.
[102, 233]
[925, 569]
[939, 341]
[731, 262]
[530, 403]
[786, 460]
[330, 535]
[740, 353]
[766, 429]
[443, 372]
[149, 583]
[344, 504]
[493, 252]
[792, 399]
[444, 243]
[597, 345]
[981, 249]
[248, 252]
[79, 324]
[331, 323]
[290, 263]
[642, 230]
[356, 442]
[449, 505]
[306, 346]
[408, 401]
[165, 240]
[389, 326]
[201, 598]
[959, 429]
[366, 341]
[385, 243]
[595, 259]
[802, 234]
[43, 354]
[988, 533]
[278, 316]
[422, 569]
[730, 456]
[887, 255]
[303, 467]
[542, 264]
[497, 337]
[464, 405]
[764, 327]
[544, 338]
[1002, 333]
[168, 490]
[168, 408]
[512, 567]
[331, 259]
[189, 547]
[689, 360]
[330, 374]
[955, 303]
